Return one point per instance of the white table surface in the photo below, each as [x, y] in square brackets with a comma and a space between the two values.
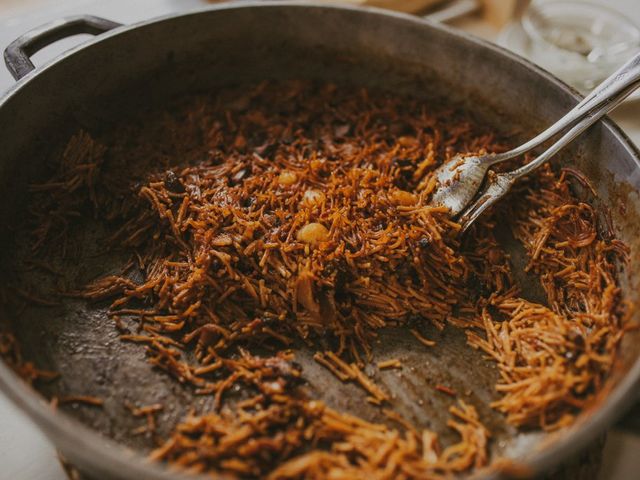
[25, 454]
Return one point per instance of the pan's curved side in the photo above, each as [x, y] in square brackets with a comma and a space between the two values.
[149, 62]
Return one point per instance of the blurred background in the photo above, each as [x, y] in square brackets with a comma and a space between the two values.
[580, 42]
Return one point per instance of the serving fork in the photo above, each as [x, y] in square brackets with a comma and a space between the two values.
[460, 179]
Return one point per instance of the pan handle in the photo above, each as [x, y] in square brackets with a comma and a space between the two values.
[17, 54]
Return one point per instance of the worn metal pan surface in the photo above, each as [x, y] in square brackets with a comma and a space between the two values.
[126, 69]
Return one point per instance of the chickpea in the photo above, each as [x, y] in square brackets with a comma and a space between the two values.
[287, 177]
[313, 233]
[312, 197]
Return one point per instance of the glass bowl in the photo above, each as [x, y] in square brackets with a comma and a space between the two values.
[582, 43]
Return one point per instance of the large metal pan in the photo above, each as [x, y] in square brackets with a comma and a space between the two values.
[127, 68]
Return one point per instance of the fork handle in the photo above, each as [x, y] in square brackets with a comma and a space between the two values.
[625, 77]
[591, 117]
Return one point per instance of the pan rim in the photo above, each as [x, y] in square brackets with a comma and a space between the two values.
[111, 457]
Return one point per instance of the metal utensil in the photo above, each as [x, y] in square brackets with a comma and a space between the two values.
[460, 179]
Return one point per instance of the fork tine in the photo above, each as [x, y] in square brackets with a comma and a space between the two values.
[498, 185]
